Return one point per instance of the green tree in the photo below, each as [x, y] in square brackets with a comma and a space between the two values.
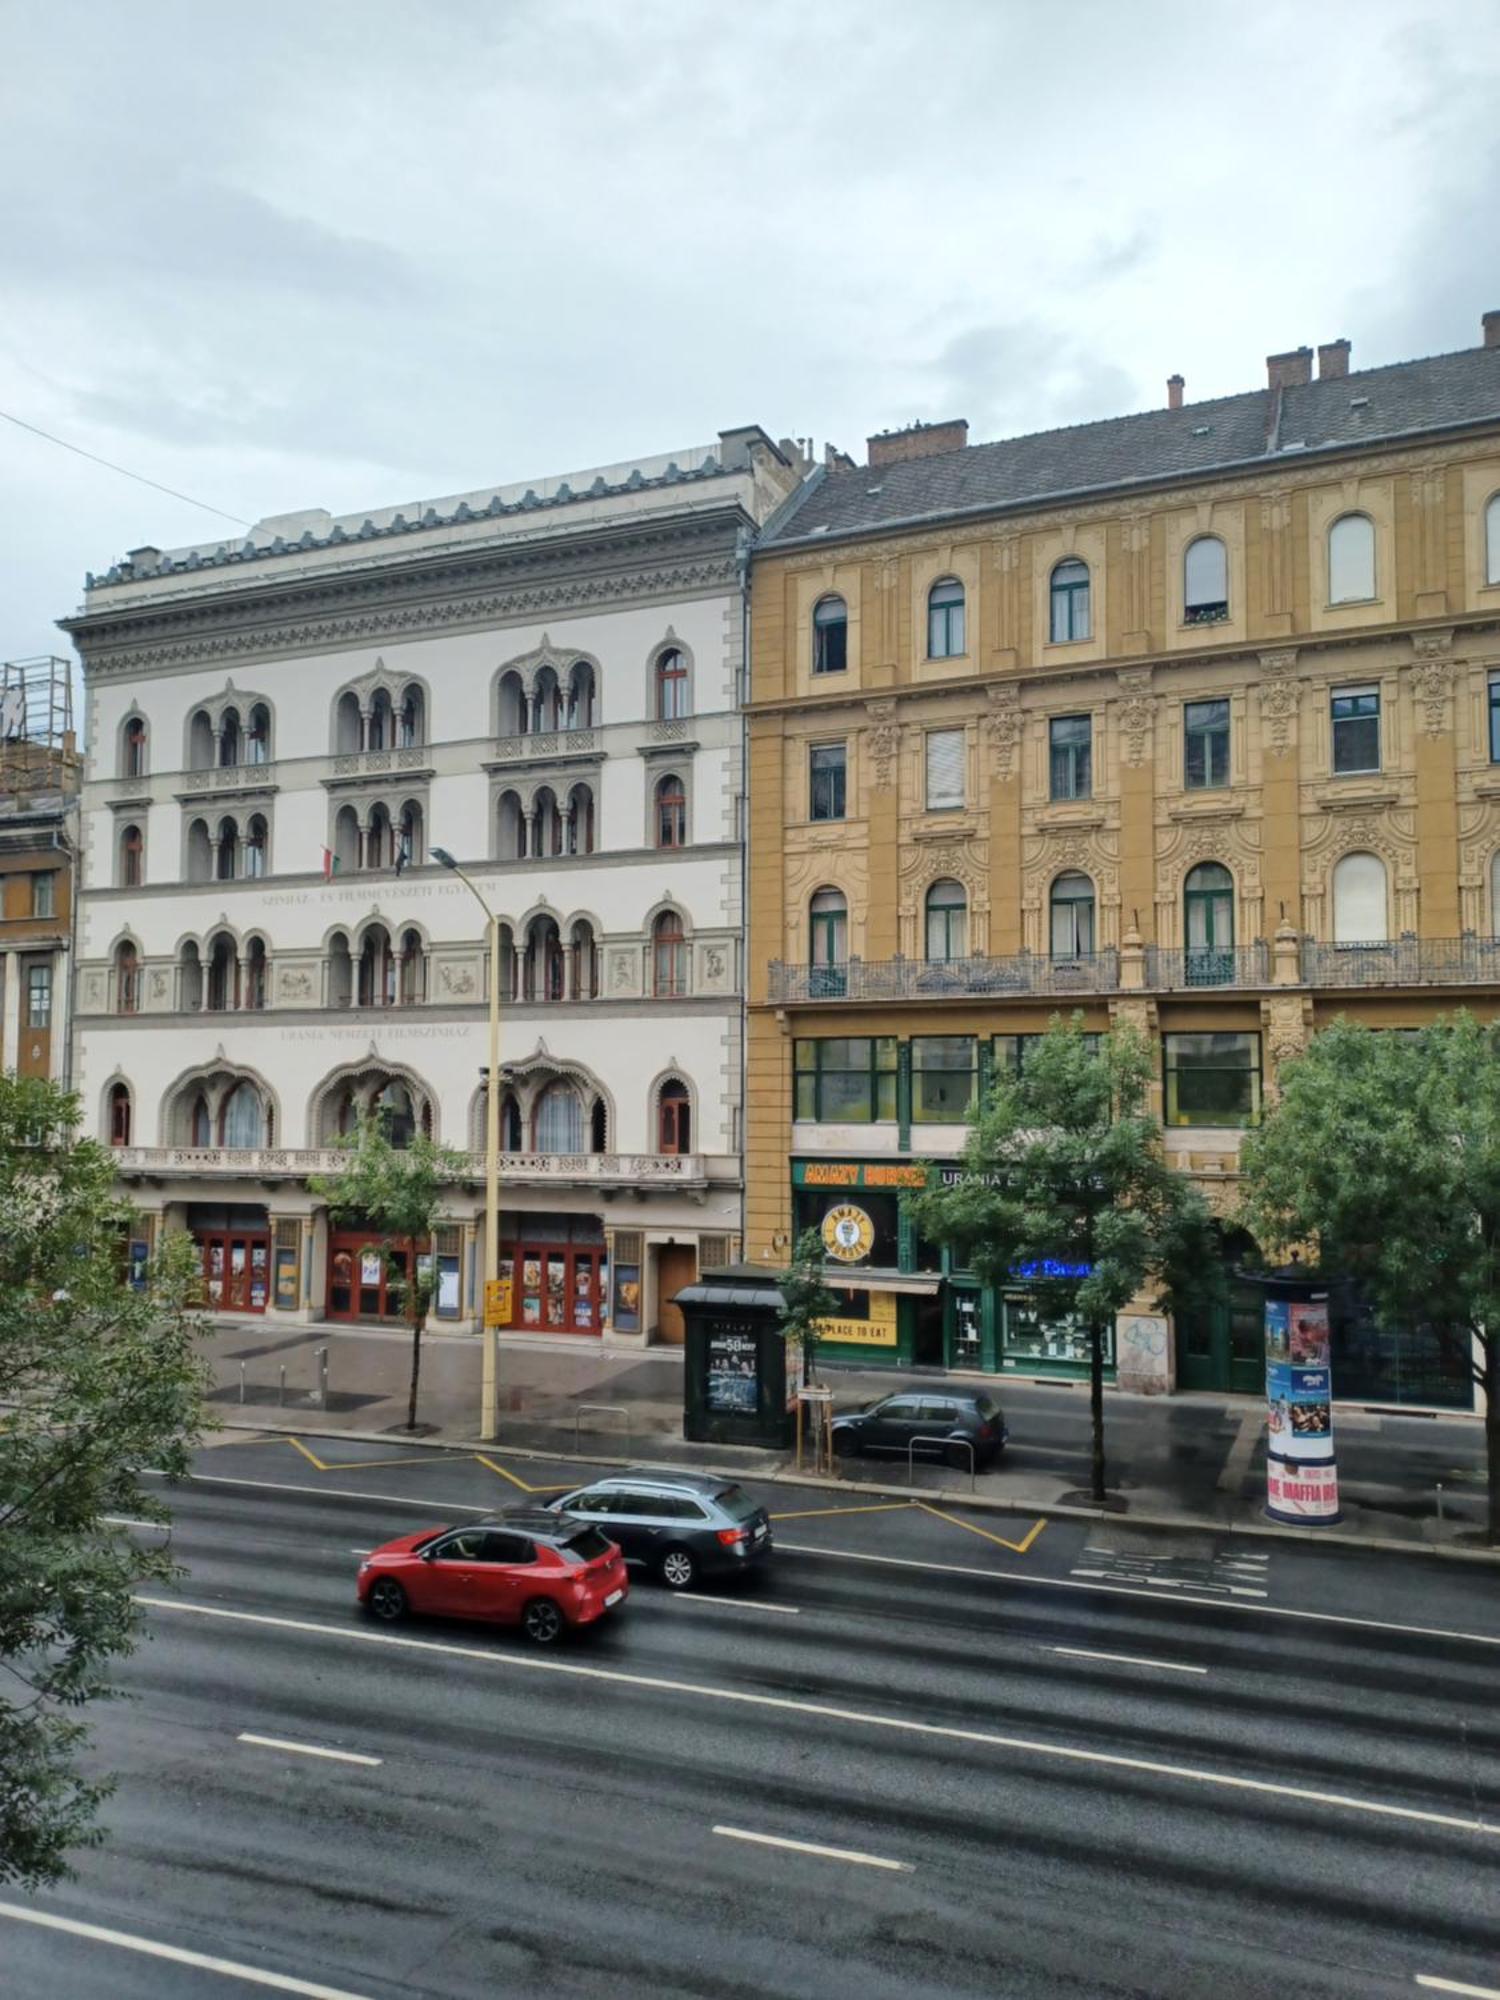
[1383, 1154]
[99, 1379]
[805, 1299]
[398, 1192]
[1065, 1182]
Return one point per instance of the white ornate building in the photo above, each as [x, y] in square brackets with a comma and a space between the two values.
[544, 681]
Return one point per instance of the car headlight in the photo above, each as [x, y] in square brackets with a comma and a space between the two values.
[364, 1566]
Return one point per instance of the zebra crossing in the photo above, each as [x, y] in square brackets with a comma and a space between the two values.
[1236, 1573]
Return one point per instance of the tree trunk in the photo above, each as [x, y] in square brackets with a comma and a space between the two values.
[416, 1332]
[1096, 1409]
[1491, 1388]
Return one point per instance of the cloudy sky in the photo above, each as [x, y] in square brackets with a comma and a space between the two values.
[350, 255]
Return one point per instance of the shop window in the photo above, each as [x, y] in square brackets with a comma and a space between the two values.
[827, 772]
[947, 922]
[1026, 1338]
[1359, 900]
[1072, 916]
[945, 619]
[671, 686]
[1070, 602]
[830, 635]
[1205, 740]
[674, 1118]
[944, 1078]
[1351, 559]
[1205, 581]
[1355, 717]
[1212, 1079]
[1071, 756]
[945, 770]
[850, 1080]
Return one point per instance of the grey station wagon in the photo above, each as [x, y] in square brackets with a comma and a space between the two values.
[679, 1525]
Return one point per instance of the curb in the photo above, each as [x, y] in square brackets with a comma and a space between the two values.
[1191, 1524]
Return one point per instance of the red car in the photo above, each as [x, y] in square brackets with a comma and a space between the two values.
[523, 1568]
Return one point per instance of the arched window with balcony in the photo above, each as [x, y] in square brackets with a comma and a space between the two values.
[945, 619]
[546, 702]
[581, 692]
[1205, 581]
[828, 943]
[1208, 925]
[671, 811]
[377, 968]
[227, 850]
[411, 720]
[200, 852]
[132, 857]
[510, 828]
[1360, 907]
[230, 745]
[133, 757]
[189, 979]
[340, 971]
[348, 725]
[380, 839]
[578, 826]
[412, 971]
[674, 1117]
[671, 684]
[509, 965]
[242, 1117]
[257, 842]
[1072, 916]
[1072, 614]
[200, 1121]
[584, 951]
[542, 969]
[396, 1114]
[510, 1123]
[830, 634]
[255, 974]
[411, 849]
[258, 735]
[512, 712]
[127, 979]
[223, 974]
[346, 842]
[1351, 559]
[546, 823]
[947, 921]
[119, 1114]
[380, 730]
[200, 741]
[669, 957]
[557, 1120]
[598, 1126]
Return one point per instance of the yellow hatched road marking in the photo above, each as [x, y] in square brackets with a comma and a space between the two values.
[516, 1479]
[311, 1456]
[1016, 1548]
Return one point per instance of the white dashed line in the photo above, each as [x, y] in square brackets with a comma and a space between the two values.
[1127, 1660]
[305, 1749]
[227, 1968]
[812, 1847]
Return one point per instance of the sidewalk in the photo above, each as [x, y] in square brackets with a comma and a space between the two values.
[1199, 1460]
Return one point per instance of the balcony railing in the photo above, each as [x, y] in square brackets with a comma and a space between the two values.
[282, 1162]
[1197, 967]
[943, 979]
[1405, 961]
[545, 745]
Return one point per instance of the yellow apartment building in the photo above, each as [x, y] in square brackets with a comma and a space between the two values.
[1189, 719]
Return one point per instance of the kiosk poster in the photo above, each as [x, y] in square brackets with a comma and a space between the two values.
[733, 1386]
[1301, 1473]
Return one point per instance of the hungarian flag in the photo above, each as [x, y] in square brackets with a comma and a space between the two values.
[331, 864]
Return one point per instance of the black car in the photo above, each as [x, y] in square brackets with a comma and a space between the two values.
[943, 1424]
[679, 1525]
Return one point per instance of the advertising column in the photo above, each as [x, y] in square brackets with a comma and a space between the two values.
[1302, 1481]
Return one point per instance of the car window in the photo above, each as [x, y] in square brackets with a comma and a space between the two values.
[987, 1406]
[900, 1409]
[684, 1508]
[652, 1506]
[587, 1503]
[586, 1546]
[462, 1547]
[736, 1503]
[937, 1413]
[507, 1548]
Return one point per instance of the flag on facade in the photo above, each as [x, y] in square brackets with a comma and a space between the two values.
[403, 854]
[331, 863]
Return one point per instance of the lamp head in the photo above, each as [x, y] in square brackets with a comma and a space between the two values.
[441, 854]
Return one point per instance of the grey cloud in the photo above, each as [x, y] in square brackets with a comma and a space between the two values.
[1026, 375]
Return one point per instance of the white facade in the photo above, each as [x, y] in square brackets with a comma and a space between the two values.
[548, 687]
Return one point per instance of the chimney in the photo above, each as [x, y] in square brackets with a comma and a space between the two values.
[1175, 387]
[1290, 370]
[918, 441]
[1491, 325]
[1333, 360]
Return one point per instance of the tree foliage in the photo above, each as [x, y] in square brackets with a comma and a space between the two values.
[806, 1299]
[1383, 1156]
[398, 1192]
[1066, 1189]
[99, 1379]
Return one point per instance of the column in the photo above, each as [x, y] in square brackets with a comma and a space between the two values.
[10, 1013]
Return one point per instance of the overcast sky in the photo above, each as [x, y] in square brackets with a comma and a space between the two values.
[350, 255]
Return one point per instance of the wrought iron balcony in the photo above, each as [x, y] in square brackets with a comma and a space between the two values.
[946, 979]
[1197, 968]
[1405, 961]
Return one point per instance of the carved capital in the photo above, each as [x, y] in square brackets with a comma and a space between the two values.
[1137, 712]
[1432, 678]
[883, 740]
[1002, 726]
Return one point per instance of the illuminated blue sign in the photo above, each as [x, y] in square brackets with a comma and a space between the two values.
[1048, 1267]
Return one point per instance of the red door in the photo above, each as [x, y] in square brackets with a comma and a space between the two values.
[236, 1270]
[561, 1288]
[364, 1279]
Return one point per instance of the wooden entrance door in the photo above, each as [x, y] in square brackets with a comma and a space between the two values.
[236, 1269]
[364, 1281]
[676, 1267]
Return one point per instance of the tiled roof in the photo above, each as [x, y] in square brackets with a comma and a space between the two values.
[1406, 398]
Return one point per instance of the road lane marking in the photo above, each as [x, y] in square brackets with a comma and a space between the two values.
[870, 1507]
[1435, 1985]
[306, 1749]
[1129, 1590]
[953, 1520]
[830, 1711]
[228, 1968]
[1128, 1660]
[428, 1507]
[311, 1456]
[733, 1603]
[124, 1521]
[813, 1847]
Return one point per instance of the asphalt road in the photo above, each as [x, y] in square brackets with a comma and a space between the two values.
[1071, 1761]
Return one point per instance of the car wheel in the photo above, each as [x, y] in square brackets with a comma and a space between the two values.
[845, 1444]
[542, 1622]
[678, 1569]
[387, 1601]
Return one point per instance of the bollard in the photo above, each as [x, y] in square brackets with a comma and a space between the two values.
[322, 1378]
[1440, 1499]
[281, 1387]
[242, 1381]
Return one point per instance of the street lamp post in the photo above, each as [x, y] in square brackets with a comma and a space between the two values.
[489, 1393]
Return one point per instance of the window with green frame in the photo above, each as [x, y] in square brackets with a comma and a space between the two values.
[1212, 1079]
[944, 1078]
[848, 1080]
[1008, 1053]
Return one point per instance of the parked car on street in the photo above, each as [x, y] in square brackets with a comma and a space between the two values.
[524, 1567]
[928, 1423]
[679, 1525]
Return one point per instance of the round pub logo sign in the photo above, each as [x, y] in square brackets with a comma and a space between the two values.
[848, 1233]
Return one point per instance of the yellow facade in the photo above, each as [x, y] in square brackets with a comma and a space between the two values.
[1426, 643]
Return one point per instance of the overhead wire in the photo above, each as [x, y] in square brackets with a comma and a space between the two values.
[124, 470]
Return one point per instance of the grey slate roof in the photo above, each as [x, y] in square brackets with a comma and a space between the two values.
[1406, 398]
